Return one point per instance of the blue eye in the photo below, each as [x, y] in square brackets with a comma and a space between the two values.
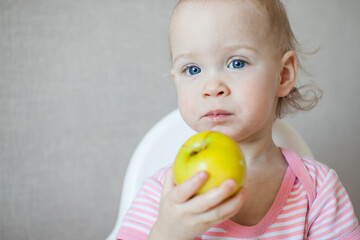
[237, 64]
[193, 70]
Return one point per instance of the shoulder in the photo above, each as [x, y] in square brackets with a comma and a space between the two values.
[332, 206]
[318, 172]
[312, 173]
[315, 176]
[153, 185]
[160, 174]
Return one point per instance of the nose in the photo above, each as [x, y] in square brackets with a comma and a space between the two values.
[215, 89]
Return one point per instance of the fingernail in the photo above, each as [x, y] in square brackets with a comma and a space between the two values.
[202, 174]
[231, 183]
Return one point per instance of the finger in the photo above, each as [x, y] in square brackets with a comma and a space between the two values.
[169, 182]
[188, 188]
[225, 210]
[212, 198]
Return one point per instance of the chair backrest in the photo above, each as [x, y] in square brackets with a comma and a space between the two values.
[161, 144]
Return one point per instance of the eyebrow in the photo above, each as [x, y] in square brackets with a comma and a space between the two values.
[183, 55]
[237, 46]
[230, 47]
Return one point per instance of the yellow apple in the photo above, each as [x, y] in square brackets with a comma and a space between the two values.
[215, 153]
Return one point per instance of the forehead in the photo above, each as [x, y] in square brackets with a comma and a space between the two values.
[215, 22]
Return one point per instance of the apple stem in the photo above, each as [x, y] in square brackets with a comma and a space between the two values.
[193, 153]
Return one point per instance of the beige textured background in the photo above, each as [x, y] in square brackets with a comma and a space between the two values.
[82, 81]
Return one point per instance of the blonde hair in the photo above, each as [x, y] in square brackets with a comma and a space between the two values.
[278, 27]
[303, 97]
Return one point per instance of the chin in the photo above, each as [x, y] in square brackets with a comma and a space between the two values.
[215, 127]
[220, 128]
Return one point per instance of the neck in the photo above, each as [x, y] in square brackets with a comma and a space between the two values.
[260, 151]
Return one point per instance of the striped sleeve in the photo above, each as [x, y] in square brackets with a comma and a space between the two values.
[143, 211]
[332, 215]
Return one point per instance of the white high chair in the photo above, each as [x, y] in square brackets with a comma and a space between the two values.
[159, 148]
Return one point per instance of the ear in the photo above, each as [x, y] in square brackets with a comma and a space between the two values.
[172, 73]
[287, 74]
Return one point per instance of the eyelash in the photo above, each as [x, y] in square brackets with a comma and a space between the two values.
[244, 63]
[187, 67]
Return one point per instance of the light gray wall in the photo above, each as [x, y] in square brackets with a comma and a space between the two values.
[82, 81]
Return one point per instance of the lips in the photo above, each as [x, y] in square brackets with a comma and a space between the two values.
[217, 114]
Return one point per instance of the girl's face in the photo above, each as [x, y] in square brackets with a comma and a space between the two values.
[226, 73]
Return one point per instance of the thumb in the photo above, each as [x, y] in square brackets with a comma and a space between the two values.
[169, 182]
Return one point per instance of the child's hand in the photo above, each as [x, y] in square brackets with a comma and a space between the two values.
[184, 217]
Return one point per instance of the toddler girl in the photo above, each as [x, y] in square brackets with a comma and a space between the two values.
[234, 66]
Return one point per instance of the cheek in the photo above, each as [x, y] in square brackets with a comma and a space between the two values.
[185, 102]
[188, 111]
[183, 97]
[258, 98]
[188, 93]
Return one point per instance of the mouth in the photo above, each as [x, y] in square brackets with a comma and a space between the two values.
[217, 115]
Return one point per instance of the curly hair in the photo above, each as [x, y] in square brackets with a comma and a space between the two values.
[304, 97]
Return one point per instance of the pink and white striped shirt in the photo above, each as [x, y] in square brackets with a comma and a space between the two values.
[311, 204]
